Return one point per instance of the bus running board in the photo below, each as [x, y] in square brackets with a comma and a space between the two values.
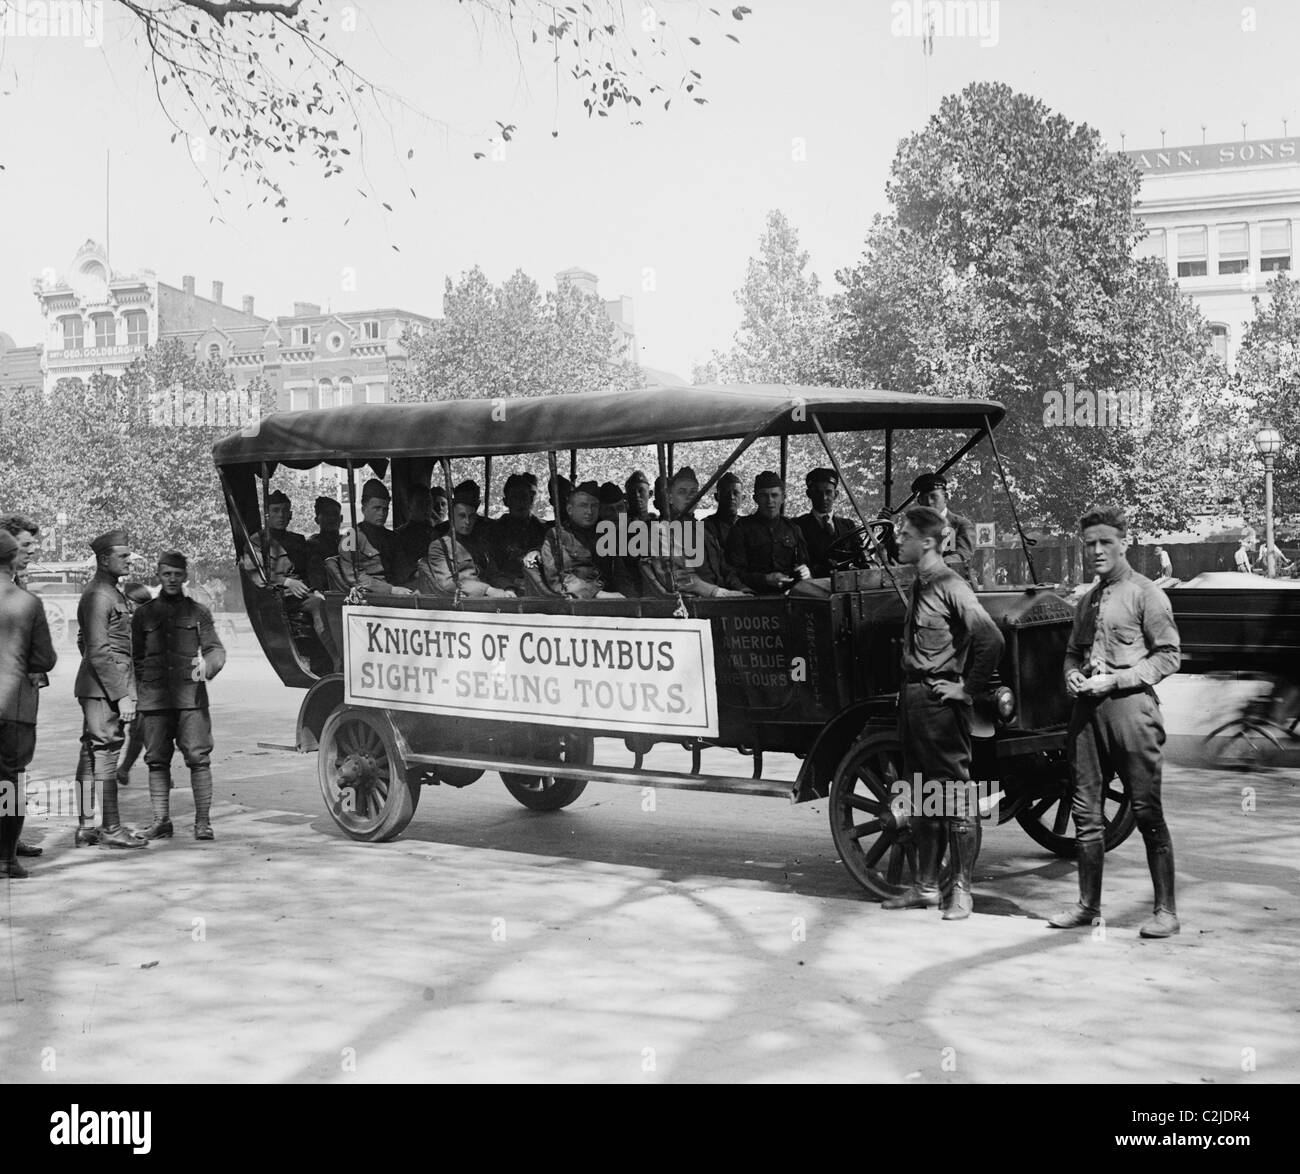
[663, 779]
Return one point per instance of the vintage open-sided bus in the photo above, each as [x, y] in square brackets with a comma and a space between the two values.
[439, 691]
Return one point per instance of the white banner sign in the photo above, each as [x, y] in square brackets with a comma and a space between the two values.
[589, 672]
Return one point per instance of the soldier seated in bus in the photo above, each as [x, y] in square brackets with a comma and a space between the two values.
[368, 554]
[463, 563]
[413, 536]
[329, 522]
[290, 563]
[766, 550]
[519, 530]
[570, 565]
[681, 563]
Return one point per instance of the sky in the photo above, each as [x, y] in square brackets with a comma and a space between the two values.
[804, 114]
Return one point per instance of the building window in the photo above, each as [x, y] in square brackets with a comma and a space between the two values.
[299, 399]
[1152, 245]
[105, 330]
[1219, 339]
[302, 336]
[374, 393]
[324, 394]
[73, 334]
[137, 329]
[214, 352]
[370, 330]
[1192, 253]
[1234, 248]
[345, 391]
[1275, 246]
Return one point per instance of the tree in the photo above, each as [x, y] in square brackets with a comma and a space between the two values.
[267, 83]
[1266, 392]
[134, 452]
[497, 342]
[1006, 272]
[785, 329]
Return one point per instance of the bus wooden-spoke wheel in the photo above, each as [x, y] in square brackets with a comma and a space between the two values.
[550, 792]
[363, 775]
[1046, 819]
[870, 827]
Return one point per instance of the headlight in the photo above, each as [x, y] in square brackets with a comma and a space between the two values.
[1005, 702]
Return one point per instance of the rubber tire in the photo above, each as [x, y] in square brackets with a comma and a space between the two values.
[382, 811]
[546, 792]
[868, 769]
[1118, 824]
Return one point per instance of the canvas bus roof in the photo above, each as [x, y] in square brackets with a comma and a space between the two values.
[481, 427]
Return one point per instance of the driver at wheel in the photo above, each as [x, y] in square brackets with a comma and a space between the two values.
[820, 527]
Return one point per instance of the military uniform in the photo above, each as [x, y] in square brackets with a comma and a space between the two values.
[947, 636]
[175, 648]
[1124, 626]
[471, 570]
[25, 649]
[105, 679]
[581, 577]
[510, 538]
[293, 557]
[820, 532]
[758, 546]
[368, 557]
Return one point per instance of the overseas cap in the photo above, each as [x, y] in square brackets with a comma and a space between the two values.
[375, 488]
[611, 494]
[106, 542]
[590, 488]
[279, 497]
[326, 504]
[727, 479]
[767, 480]
[685, 473]
[173, 558]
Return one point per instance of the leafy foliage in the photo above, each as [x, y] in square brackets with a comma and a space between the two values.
[266, 85]
[133, 452]
[1006, 272]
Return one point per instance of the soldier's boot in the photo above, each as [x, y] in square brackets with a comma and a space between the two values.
[112, 833]
[10, 826]
[963, 842]
[924, 893]
[160, 783]
[1164, 924]
[201, 785]
[87, 833]
[1092, 857]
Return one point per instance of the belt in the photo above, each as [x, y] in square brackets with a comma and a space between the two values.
[916, 677]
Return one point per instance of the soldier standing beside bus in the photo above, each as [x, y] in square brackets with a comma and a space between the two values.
[1123, 643]
[175, 651]
[951, 648]
[26, 655]
[105, 688]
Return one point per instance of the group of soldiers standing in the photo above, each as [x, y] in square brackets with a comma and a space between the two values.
[1123, 642]
[143, 661]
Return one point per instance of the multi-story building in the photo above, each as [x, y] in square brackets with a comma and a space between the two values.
[100, 320]
[1224, 217]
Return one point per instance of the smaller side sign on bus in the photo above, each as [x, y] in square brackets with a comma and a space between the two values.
[616, 673]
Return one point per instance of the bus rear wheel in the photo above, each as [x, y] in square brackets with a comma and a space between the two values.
[551, 792]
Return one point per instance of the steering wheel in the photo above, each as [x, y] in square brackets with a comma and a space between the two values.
[850, 550]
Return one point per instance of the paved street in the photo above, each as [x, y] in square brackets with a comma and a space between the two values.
[710, 938]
